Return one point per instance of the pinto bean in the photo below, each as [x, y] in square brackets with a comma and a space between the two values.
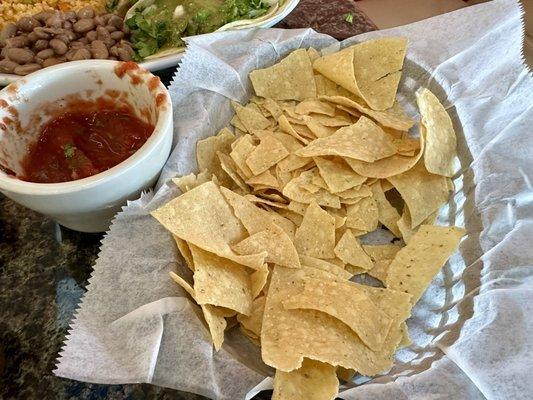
[84, 25]
[58, 46]
[86, 12]
[8, 66]
[51, 61]
[91, 36]
[27, 69]
[41, 33]
[81, 54]
[118, 35]
[99, 50]
[8, 32]
[46, 53]
[17, 41]
[20, 56]
[28, 24]
[41, 44]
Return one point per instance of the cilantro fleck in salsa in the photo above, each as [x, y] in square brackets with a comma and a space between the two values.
[80, 143]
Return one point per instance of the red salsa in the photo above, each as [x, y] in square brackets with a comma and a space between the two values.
[78, 144]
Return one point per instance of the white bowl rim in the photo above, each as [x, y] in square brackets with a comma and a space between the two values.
[14, 185]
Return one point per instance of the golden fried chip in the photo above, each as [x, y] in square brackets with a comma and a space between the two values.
[258, 280]
[393, 117]
[294, 191]
[363, 140]
[185, 252]
[307, 107]
[416, 264]
[211, 226]
[290, 79]
[264, 179]
[441, 142]
[387, 214]
[350, 251]
[261, 200]
[318, 130]
[250, 117]
[221, 282]
[287, 336]
[324, 265]
[278, 245]
[216, 324]
[207, 149]
[346, 302]
[337, 174]
[313, 53]
[312, 381]
[242, 148]
[362, 215]
[424, 193]
[381, 251]
[188, 182]
[315, 237]
[253, 322]
[345, 374]
[273, 108]
[228, 165]
[371, 69]
[286, 127]
[268, 153]
[389, 166]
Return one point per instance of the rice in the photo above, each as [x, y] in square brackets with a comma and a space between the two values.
[13, 10]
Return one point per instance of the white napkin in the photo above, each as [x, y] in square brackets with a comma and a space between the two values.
[471, 330]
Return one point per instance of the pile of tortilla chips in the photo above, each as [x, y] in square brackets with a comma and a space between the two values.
[273, 227]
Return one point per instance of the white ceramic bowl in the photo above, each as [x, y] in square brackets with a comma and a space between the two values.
[88, 204]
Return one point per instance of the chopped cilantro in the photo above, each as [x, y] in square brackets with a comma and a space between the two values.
[69, 149]
[348, 18]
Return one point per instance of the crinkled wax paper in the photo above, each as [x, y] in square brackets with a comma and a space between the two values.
[472, 330]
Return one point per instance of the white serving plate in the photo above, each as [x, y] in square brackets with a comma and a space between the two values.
[173, 59]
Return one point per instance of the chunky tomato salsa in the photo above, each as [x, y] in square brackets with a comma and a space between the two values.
[78, 144]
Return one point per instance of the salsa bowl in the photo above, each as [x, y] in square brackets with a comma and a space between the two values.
[87, 204]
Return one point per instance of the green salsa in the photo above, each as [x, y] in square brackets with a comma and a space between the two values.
[162, 24]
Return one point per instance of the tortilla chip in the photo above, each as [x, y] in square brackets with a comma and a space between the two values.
[290, 79]
[250, 117]
[387, 214]
[278, 245]
[318, 130]
[350, 251]
[363, 140]
[258, 280]
[441, 142]
[287, 336]
[207, 149]
[242, 149]
[264, 179]
[380, 270]
[381, 251]
[314, 106]
[237, 123]
[253, 322]
[261, 200]
[337, 174]
[185, 251]
[273, 108]
[324, 265]
[312, 381]
[346, 302]
[268, 153]
[363, 215]
[183, 283]
[423, 193]
[216, 324]
[294, 191]
[371, 69]
[188, 182]
[286, 127]
[292, 216]
[415, 265]
[324, 86]
[393, 117]
[315, 237]
[221, 282]
[212, 227]
[355, 192]
[313, 53]
[406, 340]
[345, 374]
[229, 166]
[387, 167]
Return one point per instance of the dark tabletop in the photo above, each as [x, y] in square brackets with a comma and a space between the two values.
[44, 269]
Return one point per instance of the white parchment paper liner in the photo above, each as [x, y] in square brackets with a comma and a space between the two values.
[471, 330]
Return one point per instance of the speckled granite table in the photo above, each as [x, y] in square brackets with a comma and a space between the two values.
[44, 270]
